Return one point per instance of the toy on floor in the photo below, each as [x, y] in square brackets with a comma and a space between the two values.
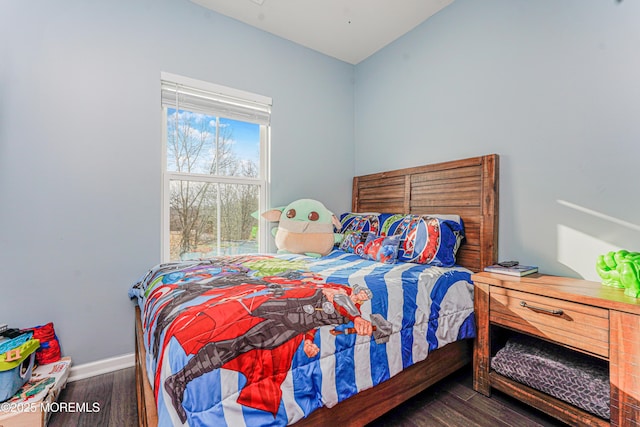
[16, 364]
[306, 227]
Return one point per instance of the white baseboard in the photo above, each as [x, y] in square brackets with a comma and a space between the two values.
[100, 367]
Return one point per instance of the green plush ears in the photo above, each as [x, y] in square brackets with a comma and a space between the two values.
[273, 214]
[307, 210]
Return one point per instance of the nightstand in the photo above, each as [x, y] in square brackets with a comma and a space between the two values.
[579, 315]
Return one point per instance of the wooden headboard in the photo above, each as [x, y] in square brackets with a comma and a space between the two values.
[467, 187]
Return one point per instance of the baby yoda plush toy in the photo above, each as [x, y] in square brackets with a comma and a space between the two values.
[306, 227]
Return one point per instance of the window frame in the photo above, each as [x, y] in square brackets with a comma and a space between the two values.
[262, 181]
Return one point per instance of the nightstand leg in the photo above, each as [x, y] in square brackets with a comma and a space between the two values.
[624, 365]
[481, 345]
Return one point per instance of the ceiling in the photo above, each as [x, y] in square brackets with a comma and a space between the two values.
[349, 30]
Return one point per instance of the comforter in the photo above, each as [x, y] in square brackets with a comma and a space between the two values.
[262, 340]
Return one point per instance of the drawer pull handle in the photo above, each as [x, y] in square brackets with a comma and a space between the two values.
[544, 310]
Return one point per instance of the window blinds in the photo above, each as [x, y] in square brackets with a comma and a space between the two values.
[184, 97]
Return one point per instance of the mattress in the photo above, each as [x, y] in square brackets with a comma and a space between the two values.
[575, 378]
[266, 339]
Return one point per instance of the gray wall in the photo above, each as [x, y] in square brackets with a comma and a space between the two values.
[80, 146]
[552, 86]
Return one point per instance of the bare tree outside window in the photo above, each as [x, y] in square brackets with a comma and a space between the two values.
[208, 215]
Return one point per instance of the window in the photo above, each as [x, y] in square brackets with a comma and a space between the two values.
[215, 169]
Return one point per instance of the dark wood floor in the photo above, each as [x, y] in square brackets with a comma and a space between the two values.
[114, 392]
[452, 402]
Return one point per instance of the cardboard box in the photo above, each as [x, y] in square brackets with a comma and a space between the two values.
[33, 403]
[16, 365]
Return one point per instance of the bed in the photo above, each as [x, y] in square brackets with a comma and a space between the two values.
[418, 318]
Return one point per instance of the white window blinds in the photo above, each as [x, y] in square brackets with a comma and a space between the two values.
[230, 103]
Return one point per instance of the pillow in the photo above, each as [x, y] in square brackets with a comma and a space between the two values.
[381, 248]
[354, 242]
[359, 222]
[389, 222]
[428, 239]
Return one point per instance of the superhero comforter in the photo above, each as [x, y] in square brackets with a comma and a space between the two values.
[262, 340]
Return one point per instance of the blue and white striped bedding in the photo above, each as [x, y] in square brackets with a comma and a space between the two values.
[427, 307]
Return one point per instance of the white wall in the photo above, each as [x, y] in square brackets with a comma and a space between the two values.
[552, 86]
[80, 144]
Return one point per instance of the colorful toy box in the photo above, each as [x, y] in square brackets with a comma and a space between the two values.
[34, 403]
[16, 364]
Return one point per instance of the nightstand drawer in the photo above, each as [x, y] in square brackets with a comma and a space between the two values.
[576, 325]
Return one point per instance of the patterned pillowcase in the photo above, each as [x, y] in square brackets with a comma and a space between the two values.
[354, 242]
[359, 222]
[381, 248]
[389, 223]
[427, 239]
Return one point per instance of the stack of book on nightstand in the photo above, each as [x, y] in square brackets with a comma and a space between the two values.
[511, 268]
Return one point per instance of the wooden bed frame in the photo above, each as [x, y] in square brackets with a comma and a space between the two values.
[467, 187]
